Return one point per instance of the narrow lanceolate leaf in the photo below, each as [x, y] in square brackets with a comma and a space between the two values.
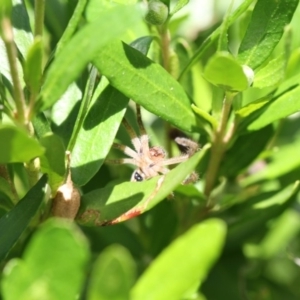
[82, 48]
[265, 30]
[97, 134]
[33, 66]
[271, 74]
[281, 106]
[249, 217]
[117, 203]
[17, 146]
[224, 71]
[72, 25]
[146, 83]
[58, 274]
[184, 263]
[15, 222]
[114, 265]
[256, 141]
[283, 161]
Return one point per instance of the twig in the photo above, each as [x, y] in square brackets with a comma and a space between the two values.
[8, 38]
[218, 145]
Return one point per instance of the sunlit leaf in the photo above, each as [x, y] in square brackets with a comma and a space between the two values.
[44, 274]
[265, 30]
[146, 83]
[184, 263]
[224, 71]
[18, 146]
[97, 134]
[271, 74]
[82, 48]
[113, 275]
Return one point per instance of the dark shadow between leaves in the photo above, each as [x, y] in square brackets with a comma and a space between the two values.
[244, 219]
[20, 18]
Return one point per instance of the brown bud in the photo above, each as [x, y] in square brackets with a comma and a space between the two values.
[66, 201]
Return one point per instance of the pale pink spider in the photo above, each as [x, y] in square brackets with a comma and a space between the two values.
[151, 161]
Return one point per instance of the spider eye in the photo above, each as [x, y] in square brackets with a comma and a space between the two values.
[138, 177]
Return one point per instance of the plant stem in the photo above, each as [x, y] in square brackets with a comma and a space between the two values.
[218, 145]
[165, 48]
[7, 35]
[39, 9]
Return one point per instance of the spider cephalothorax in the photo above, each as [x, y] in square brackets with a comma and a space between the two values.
[150, 161]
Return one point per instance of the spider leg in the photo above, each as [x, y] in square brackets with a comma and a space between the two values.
[175, 160]
[121, 161]
[144, 137]
[128, 151]
[134, 138]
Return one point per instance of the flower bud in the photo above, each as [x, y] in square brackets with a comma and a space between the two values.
[66, 201]
[157, 12]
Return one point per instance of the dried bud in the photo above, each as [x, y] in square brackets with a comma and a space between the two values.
[67, 199]
[157, 12]
[66, 202]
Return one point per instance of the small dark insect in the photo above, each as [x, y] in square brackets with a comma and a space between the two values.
[151, 161]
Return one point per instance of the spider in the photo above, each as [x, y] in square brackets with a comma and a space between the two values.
[151, 161]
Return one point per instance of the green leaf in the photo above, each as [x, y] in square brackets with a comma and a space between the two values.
[53, 160]
[82, 48]
[211, 39]
[13, 224]
[96, 7]
[146, 83]
[18, 146]
[184, 263]
[33, 66]
[44, 274]
[64, 113]
[23, 36]
[41, 125]
[205, 116]
[97, 134]
[5, 8]
[117, 203]
[263, 112]
[283, 229]
[284, 160]
[224, 71]
[250, 217]
[256, 141]
[271, 74]
[112, 275]
[265, 30]
[178, 6]
[72, 25]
